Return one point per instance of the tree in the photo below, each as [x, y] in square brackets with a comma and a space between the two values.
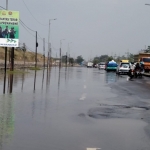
[103, 58]
[147, 50]
[71, 61]
[131, 57]
[96, 60]
[79, 59]
[110, 58]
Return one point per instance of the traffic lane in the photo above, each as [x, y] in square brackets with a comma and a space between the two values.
[71, 124]
[127, 103]
[131, 100]
[57, 117]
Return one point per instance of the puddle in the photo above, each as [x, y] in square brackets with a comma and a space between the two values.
[129, 107]
[115, 111]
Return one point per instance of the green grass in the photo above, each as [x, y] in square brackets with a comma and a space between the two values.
[16, 72]
[34, 68]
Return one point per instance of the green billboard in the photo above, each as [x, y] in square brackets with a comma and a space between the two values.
[9, 28]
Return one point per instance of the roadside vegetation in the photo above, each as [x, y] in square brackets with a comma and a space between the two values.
[20, 55]
[17, 72]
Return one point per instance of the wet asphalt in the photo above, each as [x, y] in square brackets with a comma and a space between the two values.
[74, 108]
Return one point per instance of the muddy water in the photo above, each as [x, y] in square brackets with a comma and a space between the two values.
[70, 108]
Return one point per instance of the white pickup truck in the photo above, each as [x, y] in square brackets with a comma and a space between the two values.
[89, 64]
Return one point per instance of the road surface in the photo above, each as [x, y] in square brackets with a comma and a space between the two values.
[74, 109]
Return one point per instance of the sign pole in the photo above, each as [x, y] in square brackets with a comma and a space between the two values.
[5, 59]
[6, 47]
[12, 59]
[36, 51]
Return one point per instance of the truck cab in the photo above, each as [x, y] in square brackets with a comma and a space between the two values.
[146, 62]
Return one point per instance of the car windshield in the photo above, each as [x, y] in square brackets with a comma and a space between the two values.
[125, 65]
[146, 59]
[112, 65]
[101, 63]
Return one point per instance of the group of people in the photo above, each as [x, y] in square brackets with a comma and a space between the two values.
[136, 70]
[137, 66]
[6, 33]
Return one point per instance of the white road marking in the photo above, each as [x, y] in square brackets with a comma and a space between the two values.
[93, 148]
[83, 97]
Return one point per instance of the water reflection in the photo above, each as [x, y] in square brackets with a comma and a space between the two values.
[43, 78]
[34, 80]
[6, 119]
[59, 79]
[65, 73]
[48, 79]
[10, 83]
[22, 81]
[110, 77]
[4, 85]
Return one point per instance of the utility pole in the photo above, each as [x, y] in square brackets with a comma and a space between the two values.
[48, 56]
[50, 53]
[60, 51]
[6, 4]
[36, 45]
[60, 58]
[69, 52]
[66, 59]
[47, 59]
[44, 52]
[24, 50]
[49, 45]
[55, 59]
[69, 59]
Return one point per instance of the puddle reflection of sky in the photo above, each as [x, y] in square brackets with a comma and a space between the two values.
[111, 77]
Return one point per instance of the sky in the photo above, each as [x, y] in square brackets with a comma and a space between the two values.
[90, 27]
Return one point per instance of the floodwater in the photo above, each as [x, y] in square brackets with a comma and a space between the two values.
[72, 108]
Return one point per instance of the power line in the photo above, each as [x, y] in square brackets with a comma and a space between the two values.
[56, 49]
[2, 7]
[26, 29]
[32, 14]
[40, 36]
[26, 25]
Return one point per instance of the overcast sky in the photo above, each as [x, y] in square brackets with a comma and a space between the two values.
[92, 27]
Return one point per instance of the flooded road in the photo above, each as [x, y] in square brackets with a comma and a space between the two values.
[74, 108]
